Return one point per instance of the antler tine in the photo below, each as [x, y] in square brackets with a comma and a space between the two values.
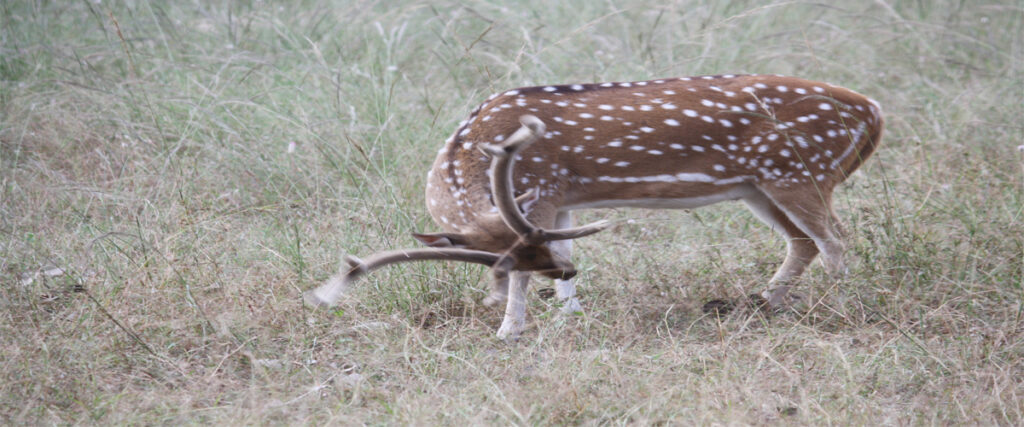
[328, 293]
[577, 232]
[502, 161]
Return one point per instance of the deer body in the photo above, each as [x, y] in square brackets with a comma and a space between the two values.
[780, 144]
[678, 143]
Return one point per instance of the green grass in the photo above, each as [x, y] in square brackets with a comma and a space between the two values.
[144, 151]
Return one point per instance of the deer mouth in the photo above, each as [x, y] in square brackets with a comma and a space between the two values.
[558, 273]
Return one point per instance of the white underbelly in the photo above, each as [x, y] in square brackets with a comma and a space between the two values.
[734, 193]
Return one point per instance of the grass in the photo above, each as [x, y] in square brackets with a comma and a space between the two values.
[175, 175]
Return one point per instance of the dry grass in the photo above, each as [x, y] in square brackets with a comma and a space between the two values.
[174, 176]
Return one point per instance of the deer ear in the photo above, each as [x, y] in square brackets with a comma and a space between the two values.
[441, 240]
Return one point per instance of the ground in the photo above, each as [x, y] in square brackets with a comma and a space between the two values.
[174, 176]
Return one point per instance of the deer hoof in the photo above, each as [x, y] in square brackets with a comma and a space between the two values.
[779, 298]
[571, 307]
[508, 333]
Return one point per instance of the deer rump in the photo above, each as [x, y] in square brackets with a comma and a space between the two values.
[503, 185]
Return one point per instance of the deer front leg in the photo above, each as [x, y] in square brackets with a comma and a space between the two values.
[515, 309]
[499, 292]
[565, 290]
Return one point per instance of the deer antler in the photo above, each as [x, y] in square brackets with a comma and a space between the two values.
[501, 264]
[503, 159]
[328, 293]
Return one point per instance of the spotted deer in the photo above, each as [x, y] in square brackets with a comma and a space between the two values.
[504, 185]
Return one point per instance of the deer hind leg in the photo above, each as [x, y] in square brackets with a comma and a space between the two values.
[800, 249]
[565, 290]
[810, 209]
[838, 225]
[515, 309]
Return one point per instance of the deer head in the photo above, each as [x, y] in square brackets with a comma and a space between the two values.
[505, 241]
